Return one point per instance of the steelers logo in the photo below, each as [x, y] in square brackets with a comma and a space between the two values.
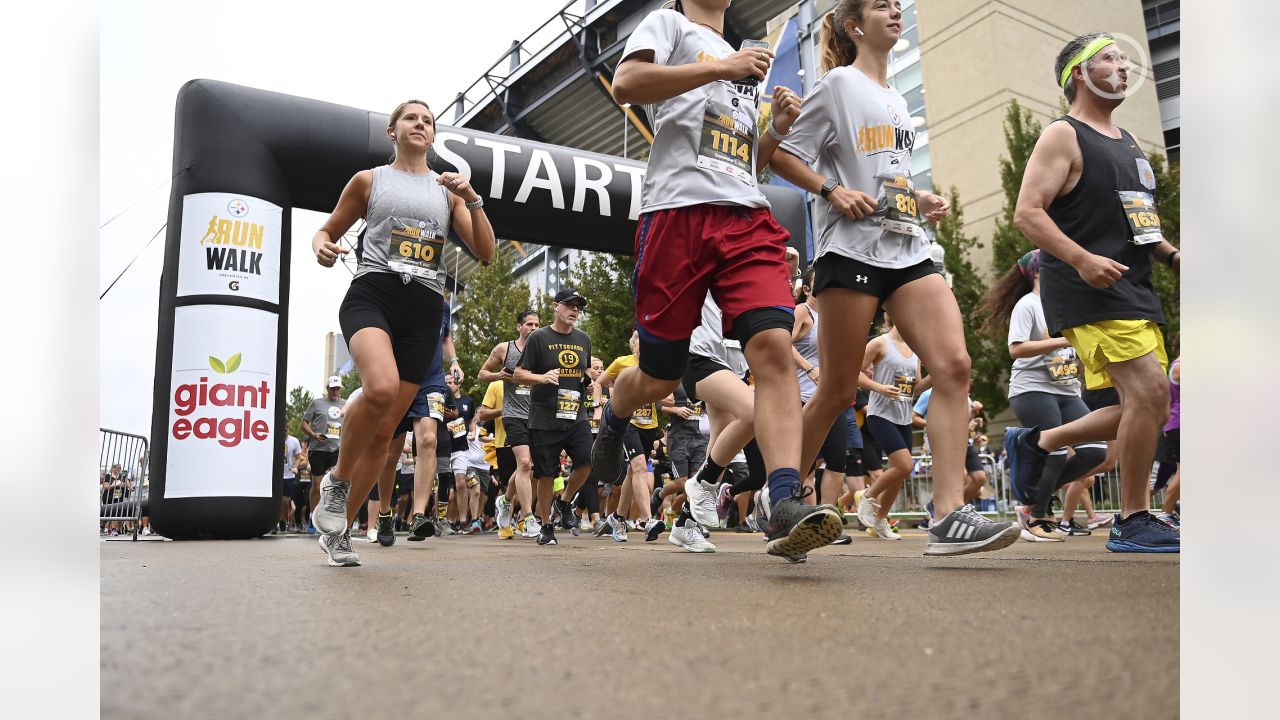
[568, 359]
[893, 115]
[334, 412]
[237, 208]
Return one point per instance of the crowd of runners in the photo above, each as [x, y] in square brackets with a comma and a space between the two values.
[731, 335]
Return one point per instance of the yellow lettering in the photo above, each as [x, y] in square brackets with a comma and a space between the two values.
[224, 233]
[255, 235]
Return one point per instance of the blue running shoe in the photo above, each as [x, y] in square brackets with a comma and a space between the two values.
[1142, 532]
[1026, 462]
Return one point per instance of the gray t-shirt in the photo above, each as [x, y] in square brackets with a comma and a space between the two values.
[1055, 372]
[704, 143]
[859, 133]
[325, 417]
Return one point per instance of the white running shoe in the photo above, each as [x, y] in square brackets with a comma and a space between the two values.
[504, 512]
[702, 501]
[867, 509]
[330, 516]
[690, 538]
[883, 531]
[338, 547]
[532, 528]
[372, 535]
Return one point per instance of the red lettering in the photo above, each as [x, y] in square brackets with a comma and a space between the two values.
[181, 429]
[205, 428]
[184, 397]
[249, 390]
[229, 432]
[263, 391]
[221, 395]
[260, 430]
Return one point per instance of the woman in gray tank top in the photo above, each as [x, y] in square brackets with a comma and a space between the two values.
[892, 372]
[852, 146]
[391, 314]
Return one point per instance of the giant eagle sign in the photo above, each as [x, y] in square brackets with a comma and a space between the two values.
[243, 159]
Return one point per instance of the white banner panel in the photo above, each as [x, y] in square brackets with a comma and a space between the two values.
[230, 246]
[222, 403]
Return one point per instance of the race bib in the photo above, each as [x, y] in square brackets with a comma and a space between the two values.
[457, 428]
[522, 390]
[728, 141]
[435, 406]
[906, 384]
[1140, 211]
[333, 431]
[567, 404]
[1062, 366]
[643, 417]
[899, 206]
[697, 409]
[414, 247]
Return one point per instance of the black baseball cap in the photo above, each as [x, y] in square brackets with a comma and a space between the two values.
[568, 295]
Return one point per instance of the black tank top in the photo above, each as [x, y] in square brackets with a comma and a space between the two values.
[1092, 215]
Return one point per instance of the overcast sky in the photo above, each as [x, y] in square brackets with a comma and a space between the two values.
[371, 59]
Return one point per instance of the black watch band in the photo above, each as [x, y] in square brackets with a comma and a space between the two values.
[828, 186]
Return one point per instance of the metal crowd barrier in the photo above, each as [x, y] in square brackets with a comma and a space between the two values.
[123, 483]
[918, 490]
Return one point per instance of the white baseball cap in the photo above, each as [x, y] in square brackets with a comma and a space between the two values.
[334, 381]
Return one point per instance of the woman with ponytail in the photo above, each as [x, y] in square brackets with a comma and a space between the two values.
[1044, 390]
[852, 146]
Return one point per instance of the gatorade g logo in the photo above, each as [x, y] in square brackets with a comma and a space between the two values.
[568, 359]
[189, 399]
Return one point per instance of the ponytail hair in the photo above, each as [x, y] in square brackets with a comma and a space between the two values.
[997, 305]
[838, 48]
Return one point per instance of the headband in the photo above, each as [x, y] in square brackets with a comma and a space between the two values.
[1029, 264]
[1089, 51]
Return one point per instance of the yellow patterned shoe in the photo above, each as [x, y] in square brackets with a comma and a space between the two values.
[505, 533]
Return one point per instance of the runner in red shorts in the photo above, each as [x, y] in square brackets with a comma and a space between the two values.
[706, 227]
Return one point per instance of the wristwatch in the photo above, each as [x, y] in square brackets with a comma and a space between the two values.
[828, 186]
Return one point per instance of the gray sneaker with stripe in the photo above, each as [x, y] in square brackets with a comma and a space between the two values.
[964, 531]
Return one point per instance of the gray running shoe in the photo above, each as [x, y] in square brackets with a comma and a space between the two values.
[338, 547]
[330, 516]
[421, 528]
[606, 454]
[618, 528]
[964, 531]
[795, 528]
[504, 511]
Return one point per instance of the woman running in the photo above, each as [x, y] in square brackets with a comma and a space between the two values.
[390, 316]
[857, 134]
[1044, 390]
[804, 352]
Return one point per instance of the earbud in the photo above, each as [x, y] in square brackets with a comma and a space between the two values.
[859, 31]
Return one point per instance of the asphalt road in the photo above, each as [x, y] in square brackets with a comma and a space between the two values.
[480, 627]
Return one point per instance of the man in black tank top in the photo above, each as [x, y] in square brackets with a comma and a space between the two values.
[1086, 201]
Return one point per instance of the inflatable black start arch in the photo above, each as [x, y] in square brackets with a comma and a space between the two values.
[242, 159]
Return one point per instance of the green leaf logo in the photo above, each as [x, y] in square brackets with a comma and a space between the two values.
[216, 364]
[233, 363]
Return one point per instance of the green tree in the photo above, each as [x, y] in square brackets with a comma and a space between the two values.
[1021, 131]
[299, 399]
[490, 307]
[1168, 197]
[605, 281]
[990, 360]
[350, 381]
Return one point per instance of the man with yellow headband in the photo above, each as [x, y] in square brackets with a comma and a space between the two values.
[1087, 202]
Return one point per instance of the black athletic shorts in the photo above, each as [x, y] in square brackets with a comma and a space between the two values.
[517, 431]
[872, 454]
[322, 461]
[290, 486]
[506, 466]
[1169, 447]
[972, 463]
[891, 436]
[409, 313]
[639, 441]
[1098, 399]
[545, 447]
[404, 484]
[832, 270]
[697, 369]
[687, 455]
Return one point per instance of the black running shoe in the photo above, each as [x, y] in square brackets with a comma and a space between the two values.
[653, 530]
[844, 539]
[795, 528]
[606, 453]
[568, 521]
[386, 530]
[1142, 532]
[1071, 527]
[548, 534]
[964, 531]
[421, 528]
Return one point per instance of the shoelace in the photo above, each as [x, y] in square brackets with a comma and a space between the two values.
[338, 493]
[800, 492]
[344, 542]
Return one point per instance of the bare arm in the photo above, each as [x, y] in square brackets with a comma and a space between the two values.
[1036, 348]
[639, 80]
[472, 225]
[524, 377]
[493, 365]
[1054, 160]
[484, 413]
[353, 204]
[786, 108]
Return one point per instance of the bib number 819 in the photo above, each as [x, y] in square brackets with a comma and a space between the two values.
[907, 205]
